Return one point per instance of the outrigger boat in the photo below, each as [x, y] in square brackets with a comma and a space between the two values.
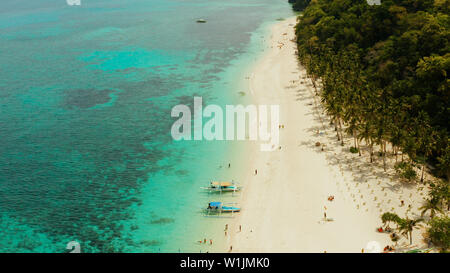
[219, 207]
[216, 186]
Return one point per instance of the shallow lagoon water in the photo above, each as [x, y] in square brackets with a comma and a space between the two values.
[85, 99]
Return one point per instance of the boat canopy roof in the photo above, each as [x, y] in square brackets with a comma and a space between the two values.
[222, 184]
[215, 204]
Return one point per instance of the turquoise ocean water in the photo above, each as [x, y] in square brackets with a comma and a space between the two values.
[86, 92]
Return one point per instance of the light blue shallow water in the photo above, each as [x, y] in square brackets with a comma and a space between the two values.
[85, 98]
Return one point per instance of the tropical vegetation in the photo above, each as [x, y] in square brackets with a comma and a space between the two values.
[439, 232]
[405, 226]
[381, 72]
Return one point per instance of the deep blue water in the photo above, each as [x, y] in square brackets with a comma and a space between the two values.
[85, 97]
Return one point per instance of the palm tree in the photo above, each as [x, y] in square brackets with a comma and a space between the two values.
[380, 134]
[441, 192]
[337, 92]
[444, 163]
[352, 129]
[366, 132]
[396, 139]
[383, 111]
[388, 217]
[432, 205]
[333, 107]
[380, 137]
[426, 139]
[332, 110]
[354, 87]
[410, 147]
[406, 227]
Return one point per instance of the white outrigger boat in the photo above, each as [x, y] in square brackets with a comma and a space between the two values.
[216, 186]
[219, 208]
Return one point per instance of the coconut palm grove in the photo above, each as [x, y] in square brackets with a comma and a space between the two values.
[383, 72]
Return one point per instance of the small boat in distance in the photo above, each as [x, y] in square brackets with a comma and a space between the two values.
[219, 207]
[216, 186]
[201, 21]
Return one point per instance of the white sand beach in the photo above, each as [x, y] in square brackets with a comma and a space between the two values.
[283, 205]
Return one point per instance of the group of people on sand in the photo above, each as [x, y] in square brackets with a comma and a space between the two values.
[226, 229]
[388, 248]
[204, 241]
[387, 230]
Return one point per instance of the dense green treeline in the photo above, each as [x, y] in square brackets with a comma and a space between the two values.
[299, 5]
[383, 71]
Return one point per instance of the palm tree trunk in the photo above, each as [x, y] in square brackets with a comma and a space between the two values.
[423, 169]
[313, 80]
[359, 150]
[383, 151]
[342, 136]
[336, 129]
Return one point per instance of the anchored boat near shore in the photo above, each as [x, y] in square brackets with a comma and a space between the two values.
[216, 186]
[215, 208]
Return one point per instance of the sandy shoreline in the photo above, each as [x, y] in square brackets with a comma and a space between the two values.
[283, 205]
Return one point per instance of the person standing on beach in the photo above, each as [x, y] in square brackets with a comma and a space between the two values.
[256, 171]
